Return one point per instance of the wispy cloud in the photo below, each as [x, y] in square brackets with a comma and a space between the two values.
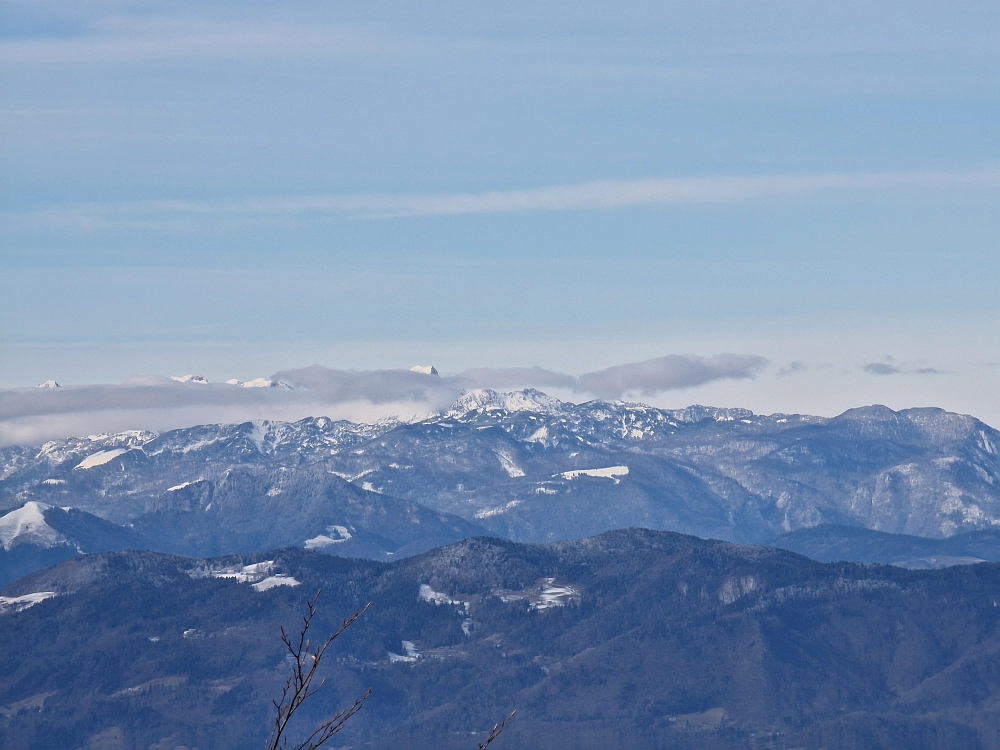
[601, 195]
[791, 368]
[125, 40]
[669, 373]
[889, 366]
[515, 377]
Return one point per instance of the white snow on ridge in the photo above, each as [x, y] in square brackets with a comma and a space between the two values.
[100, 458]
[554, 595]
[27, 525]
[48, 384]
[545, 594]
[427, 594]
[324, 540]
[490, 512]
[179, 486]
[610, 472]
[260, 576]
[485, 399]
[19, 603]
[190, 379]
[272, 581]
[260, 383]
[424, 369]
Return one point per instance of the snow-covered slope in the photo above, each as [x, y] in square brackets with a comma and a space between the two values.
[27, 525]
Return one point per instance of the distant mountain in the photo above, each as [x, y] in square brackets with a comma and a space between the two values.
[526, 467]
[36, 535]
[247, 509]
[630, 639]
[832, 543]
[252, 508]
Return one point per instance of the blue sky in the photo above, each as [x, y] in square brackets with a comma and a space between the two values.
[238, 188]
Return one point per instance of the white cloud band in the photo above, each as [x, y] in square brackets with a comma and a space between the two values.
[596, 195]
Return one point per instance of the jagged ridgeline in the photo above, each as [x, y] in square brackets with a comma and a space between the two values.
[522, 466]
[632, 639]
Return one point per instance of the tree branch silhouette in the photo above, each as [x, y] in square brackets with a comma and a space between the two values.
[300, 684]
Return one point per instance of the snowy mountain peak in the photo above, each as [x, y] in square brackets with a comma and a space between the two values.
[27, 525]
[48, 384]
[424, 369]
[189, 378]
[696, 413]
[260, 383]
[485, 399]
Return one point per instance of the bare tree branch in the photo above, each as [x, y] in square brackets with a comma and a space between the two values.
[299, 686]
[497, 729]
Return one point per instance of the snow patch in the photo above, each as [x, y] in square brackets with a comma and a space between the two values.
[272, 581]
[490, 512]
[541, 435]
[427, 594]
[410, 653]
[100, 458]
[190, 379]
[987, 445]
[20, 603]
[512, 469]
[54, 481]
[48, 384]
[424, 369]
[326, 540]
[545, 594]
[179, 486]
[610, 472]
[260, 576]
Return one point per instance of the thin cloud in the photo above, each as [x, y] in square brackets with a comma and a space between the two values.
[890, 367]
[669, 373]
[375, 386]
[791, 368]
[119, 40]
[602, 195]
[881, 368]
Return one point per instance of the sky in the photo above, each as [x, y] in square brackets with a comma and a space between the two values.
[242, 189]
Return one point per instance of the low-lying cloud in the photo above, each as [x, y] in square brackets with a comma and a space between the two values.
[668, 373]
[32, 415]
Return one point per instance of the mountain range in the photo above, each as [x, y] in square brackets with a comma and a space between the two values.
[521, 466]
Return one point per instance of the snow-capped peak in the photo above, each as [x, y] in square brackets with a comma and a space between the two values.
[189, 378]
[260, 383]
[48, 384]
[424, 369]
[485, 399]
[27, 525]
